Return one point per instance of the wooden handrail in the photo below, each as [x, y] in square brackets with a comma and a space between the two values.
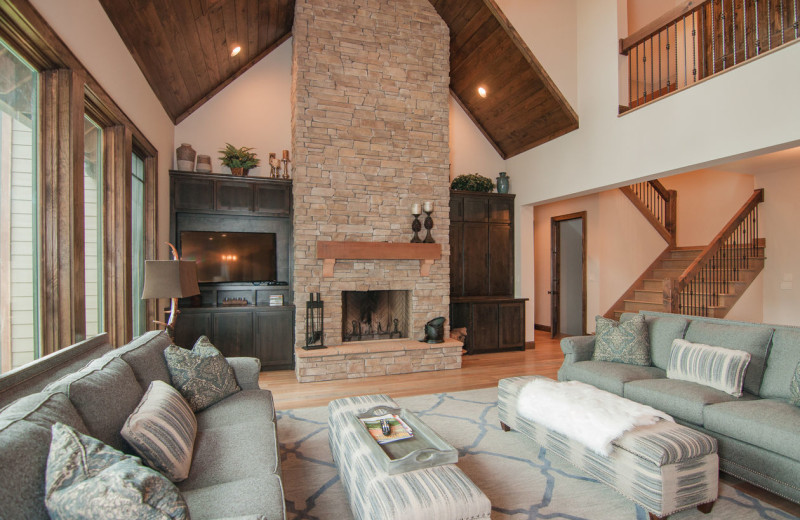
[659, 24]
[663, 191]
[717, 243]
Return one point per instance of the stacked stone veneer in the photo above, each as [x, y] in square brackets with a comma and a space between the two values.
[369, 137]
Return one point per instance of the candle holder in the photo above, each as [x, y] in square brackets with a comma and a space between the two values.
[274, 165]
[428, 226]
[285, 168]
[416, 227]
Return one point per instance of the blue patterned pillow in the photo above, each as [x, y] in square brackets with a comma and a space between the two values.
[626, 342]
[720, 368]
[794, 388]
[88, 479]
[201, 375]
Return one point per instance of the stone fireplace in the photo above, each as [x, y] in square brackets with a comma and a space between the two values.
[370, 137]
[374, 315]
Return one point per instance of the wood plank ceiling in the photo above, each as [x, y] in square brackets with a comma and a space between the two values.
[183, 47]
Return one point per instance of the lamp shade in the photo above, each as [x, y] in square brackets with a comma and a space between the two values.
[170, 279]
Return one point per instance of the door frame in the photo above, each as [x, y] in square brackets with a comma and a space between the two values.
[555, 269]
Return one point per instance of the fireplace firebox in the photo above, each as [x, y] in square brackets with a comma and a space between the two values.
[375, 315]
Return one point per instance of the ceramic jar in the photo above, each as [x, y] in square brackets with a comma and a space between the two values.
[185, 155]
[204, 163]
[502, 183]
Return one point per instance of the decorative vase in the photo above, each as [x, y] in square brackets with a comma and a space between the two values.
[502, 183]
[185, 155]
[238, 172]
[204, 163]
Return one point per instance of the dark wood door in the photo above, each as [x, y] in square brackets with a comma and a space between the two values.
[192, 194]
[234, 196]
[191, 325]
[501, 260]
[484, 326]
[476, 259]
[555, 269]
[476, 208]
[511, 321]
[233, 333]
[273, 200]
[274, 338]
[456, 259]
[456, 208]
[501, 209]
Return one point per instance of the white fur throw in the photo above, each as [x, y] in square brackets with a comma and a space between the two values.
[584, 413]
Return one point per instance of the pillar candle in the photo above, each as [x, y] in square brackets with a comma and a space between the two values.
[428, 206]
[415, 209]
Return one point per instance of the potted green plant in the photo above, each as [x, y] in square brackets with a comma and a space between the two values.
[472, 182]
[239, 160]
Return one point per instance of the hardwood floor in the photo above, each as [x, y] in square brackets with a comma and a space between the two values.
[477, 371]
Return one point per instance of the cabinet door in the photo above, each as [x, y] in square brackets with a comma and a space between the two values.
[501, 260]
[233, 333]
[192, 194]
[273, 200]
[476, 209]
[456, 259]
[191, 325]
[234, 196]
[484, 323]
[512, 325]
[476, 259]
[456, 208]
[501, 209]
[274, 338]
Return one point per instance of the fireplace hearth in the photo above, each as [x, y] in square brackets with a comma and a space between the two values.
[374, 315]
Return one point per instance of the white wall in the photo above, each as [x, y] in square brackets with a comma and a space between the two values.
[90, 35]
[470, 151]
[254, 110]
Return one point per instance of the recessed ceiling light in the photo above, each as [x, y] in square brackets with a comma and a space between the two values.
[482, 92]
[236, 50]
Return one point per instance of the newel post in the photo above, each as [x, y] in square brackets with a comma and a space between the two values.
[671, 296]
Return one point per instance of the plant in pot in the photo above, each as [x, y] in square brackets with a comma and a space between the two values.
[472, 182]
[239, 160]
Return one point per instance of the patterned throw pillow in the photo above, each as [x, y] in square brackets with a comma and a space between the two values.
[88, 479]
[201, 375]
[162, 431]
[794, 388]
[717, 367]
[626, 342]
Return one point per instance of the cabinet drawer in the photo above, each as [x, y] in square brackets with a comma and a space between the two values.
[234, 196]
[273, 200]
[193, 194]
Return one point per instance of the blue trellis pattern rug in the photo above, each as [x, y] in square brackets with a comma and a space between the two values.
[522, 480]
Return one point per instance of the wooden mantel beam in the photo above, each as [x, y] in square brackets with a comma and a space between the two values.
[330, 252]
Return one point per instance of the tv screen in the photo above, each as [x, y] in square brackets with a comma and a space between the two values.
[230, 257]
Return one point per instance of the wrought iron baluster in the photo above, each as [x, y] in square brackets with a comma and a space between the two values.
[694, 50]
[722, 30]
[796, 22]
[676, 56]
[637, 76]
[659, 62]
[703, 50]
[630, 81]
[758, 36]
[744, 27]
[685, 75]
[783, 40]
[667, 47]
[733, 28]
[713, 41]
[769, 25]
[644, 70]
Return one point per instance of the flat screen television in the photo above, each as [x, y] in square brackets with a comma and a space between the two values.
[230, 257]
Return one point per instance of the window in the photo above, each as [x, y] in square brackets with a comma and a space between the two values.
[93, 225]
[137, 246]
[19, 287]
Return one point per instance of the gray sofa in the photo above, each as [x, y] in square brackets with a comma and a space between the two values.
[235, 470]
[758, 433]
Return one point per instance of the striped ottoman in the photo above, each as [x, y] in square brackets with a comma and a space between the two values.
[664, 467]
[438, 493]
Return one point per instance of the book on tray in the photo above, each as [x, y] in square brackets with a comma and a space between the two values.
[397, 428]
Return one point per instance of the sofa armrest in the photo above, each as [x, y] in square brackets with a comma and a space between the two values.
[246, 370]
[577, 348]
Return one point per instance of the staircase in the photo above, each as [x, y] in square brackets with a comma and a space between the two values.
[703, 280]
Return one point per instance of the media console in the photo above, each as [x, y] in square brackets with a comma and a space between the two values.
[251, 327]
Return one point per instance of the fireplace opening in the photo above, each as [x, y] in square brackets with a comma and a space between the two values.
[374, 315]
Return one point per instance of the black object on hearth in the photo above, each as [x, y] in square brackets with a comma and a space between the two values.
[315, 339]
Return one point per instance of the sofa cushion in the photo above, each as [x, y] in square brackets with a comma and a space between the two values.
[625, 342]
[24, 445]
[794, 388]
[258, 494]
[88, 479]
[754, 339]
[717, 367]
[784, 355]
[104, 392]
[145, 355]
[662, 330]
[768, 423]
[245, 407]
[162, 430]
[681, 399]
[608, 376]
[201, 375]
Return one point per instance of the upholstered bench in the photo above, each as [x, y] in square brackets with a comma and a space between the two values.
[438, 493]
[664, 467]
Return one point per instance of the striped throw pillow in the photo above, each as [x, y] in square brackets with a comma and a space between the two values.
[717, 367]
[162, 431]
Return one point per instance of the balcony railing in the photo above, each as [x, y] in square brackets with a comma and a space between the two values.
[698, 39]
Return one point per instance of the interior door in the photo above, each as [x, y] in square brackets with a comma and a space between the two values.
[555, 257]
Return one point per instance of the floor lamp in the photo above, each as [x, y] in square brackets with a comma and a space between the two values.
[171, 279]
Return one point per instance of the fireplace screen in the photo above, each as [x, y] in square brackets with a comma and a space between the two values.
[371, 315]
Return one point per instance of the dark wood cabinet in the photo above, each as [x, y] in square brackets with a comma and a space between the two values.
[225, 194]
[234, 196]
[273, 329]
[233, 332]
[482, 272]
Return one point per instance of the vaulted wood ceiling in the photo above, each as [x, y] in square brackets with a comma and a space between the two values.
[184, 50]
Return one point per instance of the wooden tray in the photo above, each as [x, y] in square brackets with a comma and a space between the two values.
[425, 450]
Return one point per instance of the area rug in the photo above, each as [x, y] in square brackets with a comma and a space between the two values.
[522, 480]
